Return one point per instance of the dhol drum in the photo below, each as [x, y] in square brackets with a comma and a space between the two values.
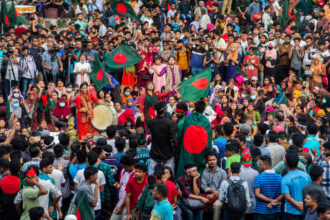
[102, 117]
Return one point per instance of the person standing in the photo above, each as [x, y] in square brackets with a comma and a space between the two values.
[28, 67]
[163, 209]
[12, 73]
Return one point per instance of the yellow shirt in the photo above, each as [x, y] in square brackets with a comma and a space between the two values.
[183, 61]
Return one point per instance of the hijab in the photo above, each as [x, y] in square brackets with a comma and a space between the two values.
[126, 116]
[61, 111]
[15, 111]
[271, 53]
[130, 107]
[234, 54]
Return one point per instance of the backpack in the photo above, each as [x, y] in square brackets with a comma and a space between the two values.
[236, 204]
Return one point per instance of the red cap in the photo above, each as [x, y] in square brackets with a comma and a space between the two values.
[31, 173]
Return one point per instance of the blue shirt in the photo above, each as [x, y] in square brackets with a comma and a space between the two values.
[270, 186]
[254, 8]
[119, 155]
[293, 183]
[47, 58]
[73, 169]
[162, 211]
[312, 143]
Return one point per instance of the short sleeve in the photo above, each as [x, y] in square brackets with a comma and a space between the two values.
[53, 190]
[257, 183]
[30, 193]
[78, 178]
[128, 188]
[284, 186]
[101, 178]
[43, 56]
[228, 162]
[90, 195]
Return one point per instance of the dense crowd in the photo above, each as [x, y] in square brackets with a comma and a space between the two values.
[256, 147]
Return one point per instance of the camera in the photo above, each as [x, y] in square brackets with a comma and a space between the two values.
[53, 52]
[40, 51]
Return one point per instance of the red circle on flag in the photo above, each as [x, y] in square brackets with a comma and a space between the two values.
[201, 83]
[120, 58]
[121, 8]
[195, 139]
[152, 112]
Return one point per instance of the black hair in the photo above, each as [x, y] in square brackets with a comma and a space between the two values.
[58, 150]
[34, 151]
[141, 166]
[228, 128]
[315, 172]
[188, 165]
[127, 160]
[312, 128]
[292, 160]
[279, 116]
[211, 153]
[182, 105]
[111, 131]
[160, 107]
[240, 136]
[14, 167]
[90, 171]
[159, 171]
[49, 156]
[36, 213]
[298, 139]
[235, 167]
[272, 136]
[120, 143]
[19, 143]
[263, 128]
[322, 208]
[81, 156]
[258, 139]
[44, 163]
[151, 180]
[326, 145]
[92, 158]
[64, 139]
[162, 190]
[266, 160]
[4, 149]
[200, 106]
[315, 195]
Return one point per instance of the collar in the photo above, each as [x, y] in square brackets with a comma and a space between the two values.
[209, 170]
[163, 201]
[269, 171]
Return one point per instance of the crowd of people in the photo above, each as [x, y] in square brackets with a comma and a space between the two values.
[266, 118]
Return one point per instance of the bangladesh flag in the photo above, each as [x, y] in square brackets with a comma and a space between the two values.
[196, 87]
[240, 71]
[195, 140]
[124, 56]
[81, 208]
[285, 16]
[4, 15]
[123, 9]
[15, 18]
[98, 76]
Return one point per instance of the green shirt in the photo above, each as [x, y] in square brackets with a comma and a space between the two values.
[280, 167]
[236, 158]
[30, 198]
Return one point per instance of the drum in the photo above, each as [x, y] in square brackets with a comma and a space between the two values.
[102, 117]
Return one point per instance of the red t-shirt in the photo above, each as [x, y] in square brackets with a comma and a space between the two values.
[172, 191]
[135, 189]
[210, 4]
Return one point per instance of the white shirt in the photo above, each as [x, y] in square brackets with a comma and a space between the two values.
[204, 21]
[99, 3]
[12, 67]
[220, 43]
[80, 78]
[266, 19]
[276, 7]
[100, 179]
[59, 180]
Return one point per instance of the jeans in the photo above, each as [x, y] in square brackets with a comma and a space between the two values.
[196, 214]
[8, 86]
[25, 84]
[288, 216]
[168, 163]
[98, 214]
[195, 70]
[297, 72]
[186, 17]
[275, 216]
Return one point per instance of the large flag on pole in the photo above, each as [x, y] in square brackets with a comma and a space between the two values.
[4, 15]
[196, 87]
[123, 9]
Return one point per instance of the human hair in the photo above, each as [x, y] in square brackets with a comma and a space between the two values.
[81, 156]
[90, 171]
[111, 131]
[44, 163]
[141, 138]
[240, 136]
[49, 156]
[189, 165]
[279, 116]
[58, 150]
[141, 166]
[36, 213]
[292, 160]
[14, 167]
[159, 171]
[322, 208]
[34, 151]
[266, 160]
[312, 128]
[298, 139]
[231, 148]
[127, 160]
[64, 139]
[255, 152]
[120, 143]
[228, 128]
[263, 128]
[211, 153]
[162, 190]
[97, 149]
[258, 139]
[315, 172]
[315, 195]
[200, 106]
[92, 158]
[235, 167]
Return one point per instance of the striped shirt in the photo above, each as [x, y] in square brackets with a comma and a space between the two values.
[33, 162]
[269, 183]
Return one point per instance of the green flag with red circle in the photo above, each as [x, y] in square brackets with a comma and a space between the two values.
[195, 140]
[98, 76]
[196, 87]
[122, 9]
[4, 15]
[121, 57]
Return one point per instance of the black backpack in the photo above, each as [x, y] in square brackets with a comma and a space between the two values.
[236, 204]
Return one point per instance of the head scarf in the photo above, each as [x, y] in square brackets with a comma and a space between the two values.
[126, 116]
[15, 111]
[91, 90]
[130, 107]
[11, 95]
[61, 111]
[317, 67]
[234, 54]
[271, 53]
[224, 120]
[215, 92]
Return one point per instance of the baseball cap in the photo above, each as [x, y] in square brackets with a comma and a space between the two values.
[247, 159]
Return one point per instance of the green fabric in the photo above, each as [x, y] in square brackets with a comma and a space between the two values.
[149, 102]
[4, 15]
[239, 71]
[13, 18]
[129, 12]
[39, 103]
[283, 100]
[123, 57]
[85, 210]
[195, 87]
[285, 16]
[304, 6]
[130, 69]
[236, 158]
[98, 76]
[146, 200]
[8, 107]
[194, 119]
[30, 199]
